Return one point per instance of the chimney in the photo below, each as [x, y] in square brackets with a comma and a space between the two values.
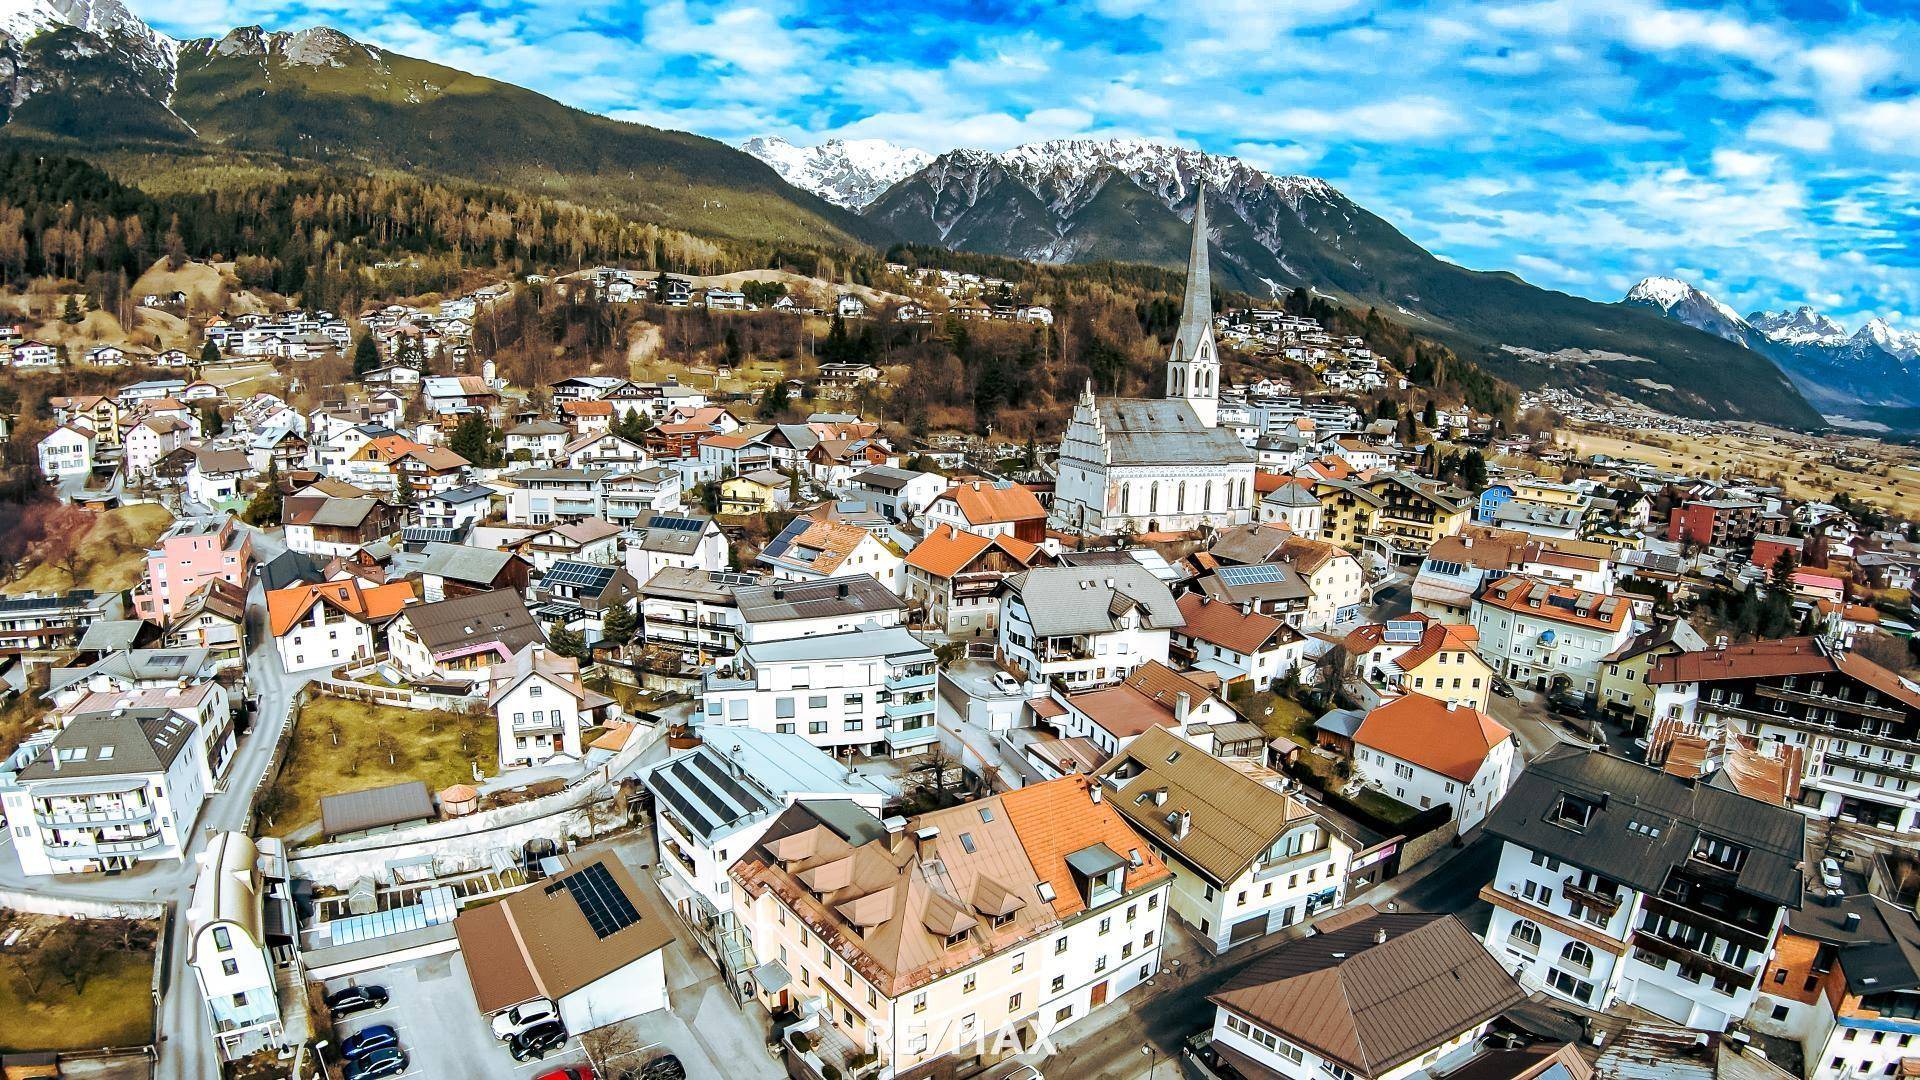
[1181, 703]
[1182, 824]
[1450, 704]
[842, 590]
[1853, 921]
[1093, 791]
[1380, 935]
[924, 837]
[779, 594]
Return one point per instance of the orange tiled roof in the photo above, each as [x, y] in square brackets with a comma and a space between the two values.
[1561, 603]
[587, 408]
[1437, 638]
[285, 607]
[1058, 818]
[983, 503]
[946, 551]
[1452, 741]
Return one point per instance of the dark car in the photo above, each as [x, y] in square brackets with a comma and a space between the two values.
[1501, 687]
[377, 1037]
[390, 1061]
[1567, 706]
[537, 1041]
[352, 999]
[665, 1068]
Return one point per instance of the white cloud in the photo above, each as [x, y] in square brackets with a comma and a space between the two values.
[1741, 165]
[1796, 130]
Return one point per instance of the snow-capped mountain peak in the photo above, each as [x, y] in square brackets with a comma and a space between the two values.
[1899, 343]
[846, 172]
[1681, 301]
[1801, 326]
[24, 20]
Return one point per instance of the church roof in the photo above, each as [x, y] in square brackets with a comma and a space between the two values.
[1165, 431]
[1196, 316]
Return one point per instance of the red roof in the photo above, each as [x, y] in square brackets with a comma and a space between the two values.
[983, 503]
[1217, 622]
[1452, 740]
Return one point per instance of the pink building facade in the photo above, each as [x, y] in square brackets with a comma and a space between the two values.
[187, 557]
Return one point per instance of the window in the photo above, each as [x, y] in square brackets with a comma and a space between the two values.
[230, 967]
[1013, 1003]
[920, 1002]
[967, 984]
[1059, 983]
[1063, 1014]
[1060, 945]
[1579, 954]
[1525, 935]
[222, 938]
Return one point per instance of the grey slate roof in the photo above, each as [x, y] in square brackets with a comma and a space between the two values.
[888, 641]
[1645, 822]
[356, 811]
[886, 477]
[739, 774]
[499, 615]
[131, 743]
[690, 583]
[111, 635]
[344, 513]
[1157, 431]
[463, 563]
[1087, 599]
[816, 599]
[465, 493]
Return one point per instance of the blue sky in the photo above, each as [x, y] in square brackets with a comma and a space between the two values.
[1769, 152]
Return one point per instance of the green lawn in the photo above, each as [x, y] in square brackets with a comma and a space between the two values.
[337, 747]
[109, 557]
[43, 1011]
[1291, 720]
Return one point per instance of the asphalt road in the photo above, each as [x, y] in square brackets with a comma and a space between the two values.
[186, 1042]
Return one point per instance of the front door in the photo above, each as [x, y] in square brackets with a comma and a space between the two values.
[1099, 997]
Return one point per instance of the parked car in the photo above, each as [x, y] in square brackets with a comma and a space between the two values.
[537, 1041]
[664, 1068]
[1502, 688]
[1018, 1072]
[569, 1072]
[362, 1043]
[523, 1016]
[391, 1061]
[352, 999]
[1830, 875]
[1005, 683]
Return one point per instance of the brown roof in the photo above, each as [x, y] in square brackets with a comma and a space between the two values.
[538, 942]
[1373, 1005]
[1233, 820]
[1220, 623]
[1144, 700]
[1752, 660]
[288, 606]
[1452, 740]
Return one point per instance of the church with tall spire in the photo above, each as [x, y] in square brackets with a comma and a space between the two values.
[1159, 465]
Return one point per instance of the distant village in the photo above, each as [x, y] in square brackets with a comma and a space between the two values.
[458, 725]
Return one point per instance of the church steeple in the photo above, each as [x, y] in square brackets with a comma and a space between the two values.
[1193, 371]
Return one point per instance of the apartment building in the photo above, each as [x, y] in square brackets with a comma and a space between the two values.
[869, 690]
[334, 622]
[1246, 860]
[106, 792]
[1086, 625]
[1622, 884]
[1857, 723]
[189, 554]
[939, 943]
[1427, 752]
[1550, 637]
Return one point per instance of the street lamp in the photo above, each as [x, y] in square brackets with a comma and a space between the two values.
[1153, 1059]
[321, 1060]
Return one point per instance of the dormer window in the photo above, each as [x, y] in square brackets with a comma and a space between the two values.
[956, 938]
[1572, 812]
[1724, 854]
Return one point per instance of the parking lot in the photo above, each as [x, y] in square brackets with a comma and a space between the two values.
[431, 1009]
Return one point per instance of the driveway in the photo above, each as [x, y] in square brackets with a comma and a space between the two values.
[431, 1008]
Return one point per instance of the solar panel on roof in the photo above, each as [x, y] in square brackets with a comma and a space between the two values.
[1252, 575]
[607, 909]
[679, 524]
[582, 575]
[1404, 631]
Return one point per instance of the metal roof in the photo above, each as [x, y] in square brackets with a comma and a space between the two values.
[861, 593]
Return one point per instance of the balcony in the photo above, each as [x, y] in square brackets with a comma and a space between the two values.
[1607, 903]
[908, 738]
[102, 848]
[904, 679]
[1830, 701]
[69, 819]
[1069, 649]
[1286, 864]
[1690, 960]
[901, 710]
